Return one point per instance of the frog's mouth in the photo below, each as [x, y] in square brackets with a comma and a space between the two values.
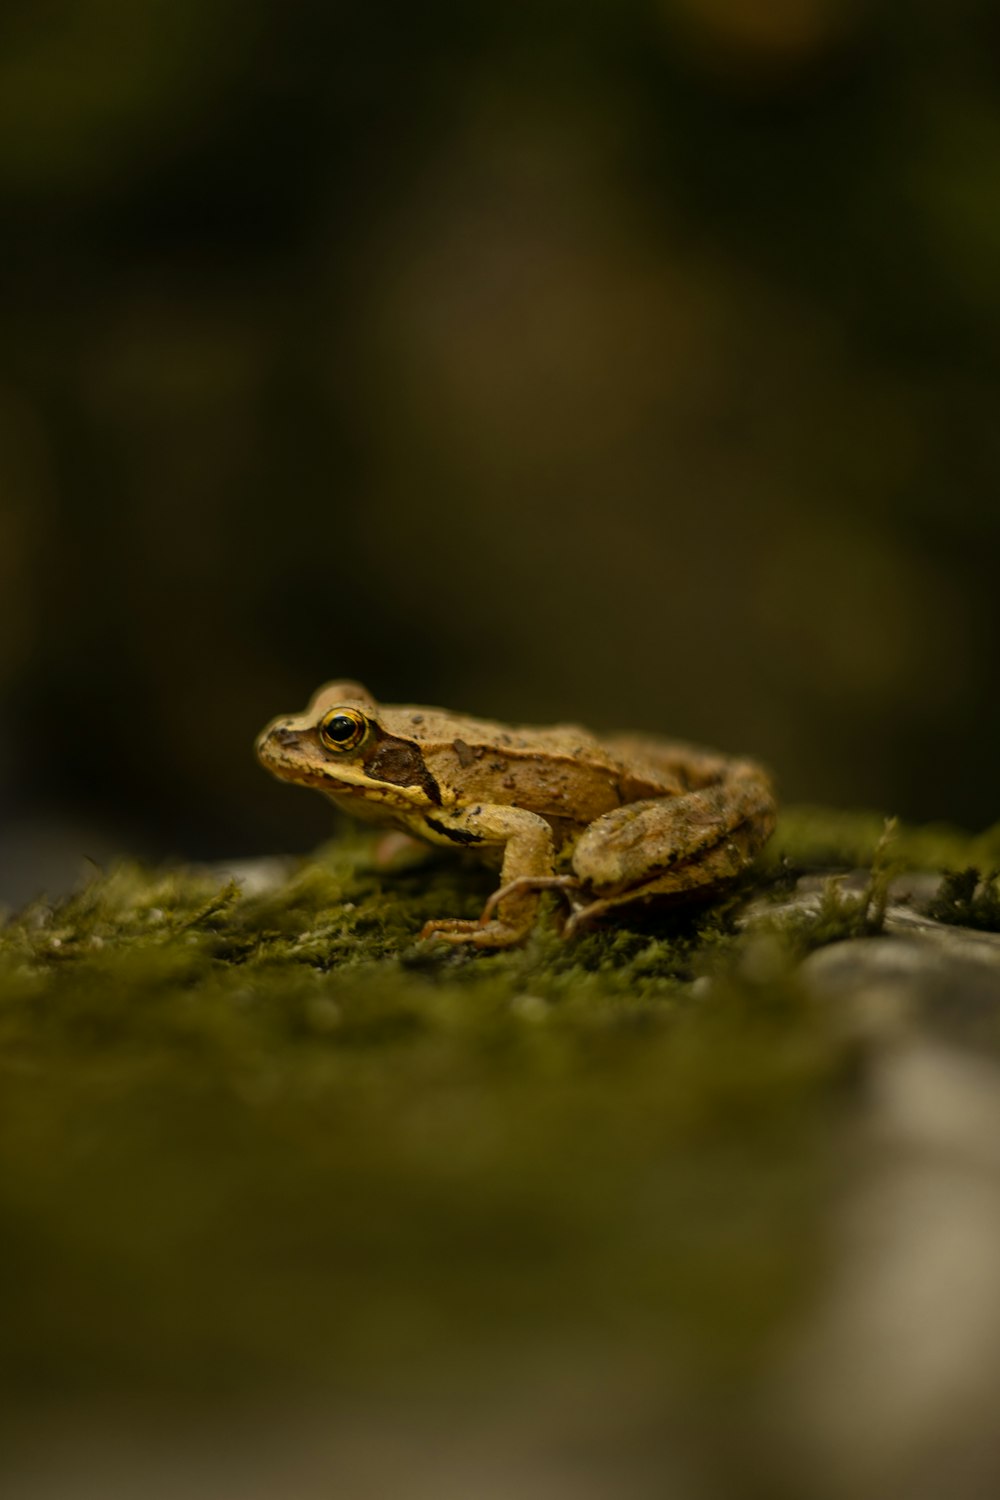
[279, 748]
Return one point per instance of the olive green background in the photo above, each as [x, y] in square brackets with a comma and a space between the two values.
[629, 362]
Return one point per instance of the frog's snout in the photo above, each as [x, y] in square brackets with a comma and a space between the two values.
[277, 736]
[284, 735]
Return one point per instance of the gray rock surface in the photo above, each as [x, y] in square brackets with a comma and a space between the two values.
[889, 1388]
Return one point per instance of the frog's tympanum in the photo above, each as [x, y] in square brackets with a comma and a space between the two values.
[610, 821]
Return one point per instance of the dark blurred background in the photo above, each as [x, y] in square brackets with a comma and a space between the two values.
[632, 361]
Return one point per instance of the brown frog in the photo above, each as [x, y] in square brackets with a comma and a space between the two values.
[610, 820]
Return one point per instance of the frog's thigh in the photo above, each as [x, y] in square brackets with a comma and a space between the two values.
[688, 880]
[678, 843]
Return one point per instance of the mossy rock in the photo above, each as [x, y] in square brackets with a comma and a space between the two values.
[253, 1134]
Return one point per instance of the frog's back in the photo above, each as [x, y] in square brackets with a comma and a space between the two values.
[562, 772]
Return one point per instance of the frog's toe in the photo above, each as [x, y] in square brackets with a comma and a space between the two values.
[449, 929]
[522, 885]
[453, 930]
[582, 917]
[480, 934]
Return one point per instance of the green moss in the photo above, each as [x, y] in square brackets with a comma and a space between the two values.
[966, 899]
[842, 914]
[256, 1137]
[816, 838]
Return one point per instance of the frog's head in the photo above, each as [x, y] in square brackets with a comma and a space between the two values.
[341, 746]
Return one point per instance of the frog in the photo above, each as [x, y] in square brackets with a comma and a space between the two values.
[612, 822]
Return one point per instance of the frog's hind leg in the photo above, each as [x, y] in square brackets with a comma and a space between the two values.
[684, 846]
[688, 881]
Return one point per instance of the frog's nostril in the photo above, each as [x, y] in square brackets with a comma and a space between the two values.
[284, 735]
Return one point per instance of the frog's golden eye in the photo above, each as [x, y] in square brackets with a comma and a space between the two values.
[343, 729]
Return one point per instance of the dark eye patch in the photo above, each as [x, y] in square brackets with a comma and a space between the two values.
[401, 764]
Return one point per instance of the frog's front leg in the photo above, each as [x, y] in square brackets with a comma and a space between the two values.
[528, 852]
[682, 846]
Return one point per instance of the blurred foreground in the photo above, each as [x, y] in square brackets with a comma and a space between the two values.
[706, 1207]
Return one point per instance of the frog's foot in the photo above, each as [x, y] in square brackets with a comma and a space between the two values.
[582, 916]
[493, 930]
[524, 883]
[481, 934]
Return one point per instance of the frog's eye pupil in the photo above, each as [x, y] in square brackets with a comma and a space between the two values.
[342, 730]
